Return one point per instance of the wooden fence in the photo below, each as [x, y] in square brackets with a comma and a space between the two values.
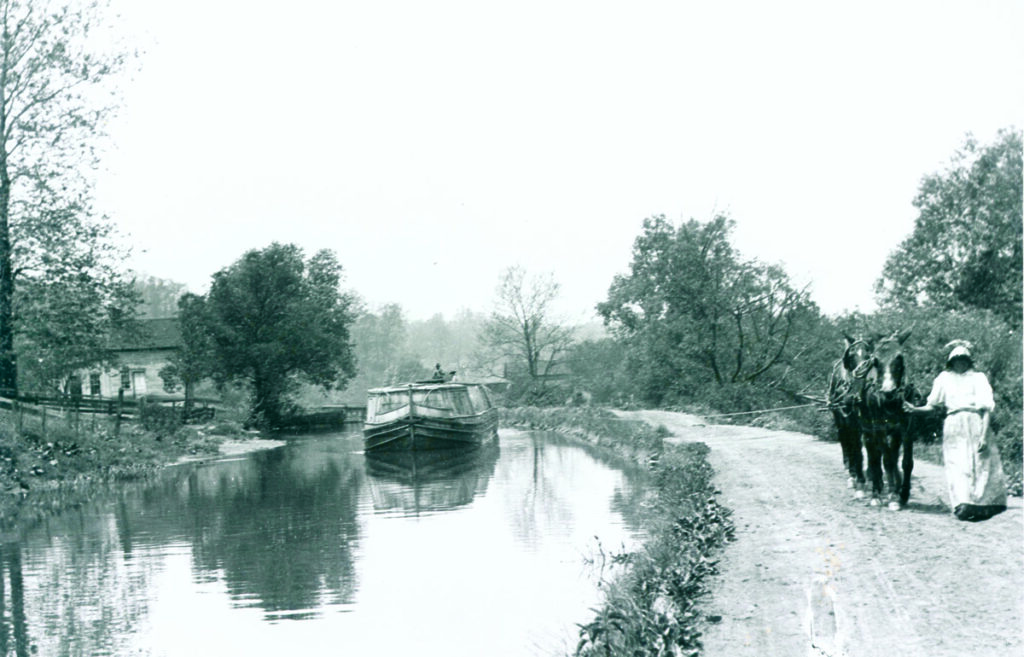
[72, 407]
[202, 410]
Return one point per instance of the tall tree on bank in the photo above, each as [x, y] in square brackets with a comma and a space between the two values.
[454, 343]
[379, 343]
[965, 251]
[694, 313]
[381, 348]
[275, 319]
[523, 331]
[158, 297]
[191, 363]
[71, 297]
[52, 105]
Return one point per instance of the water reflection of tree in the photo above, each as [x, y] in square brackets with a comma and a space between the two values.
[282, 536]
[279, 529]
[13, 627]
[540, 502]
[632, 497]
[631, 502]
[543, 501]
[83, 596]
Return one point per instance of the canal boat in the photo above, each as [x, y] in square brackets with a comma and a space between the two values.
[429, 415]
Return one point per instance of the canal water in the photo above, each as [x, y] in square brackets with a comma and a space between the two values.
[315, 549]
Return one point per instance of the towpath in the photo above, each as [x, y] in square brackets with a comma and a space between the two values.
[814, 571]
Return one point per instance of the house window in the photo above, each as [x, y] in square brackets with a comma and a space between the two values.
[94, 384]
[126, 378]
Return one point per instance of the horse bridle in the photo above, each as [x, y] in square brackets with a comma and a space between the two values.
[853, 344]
[844, 394]
[870, 363]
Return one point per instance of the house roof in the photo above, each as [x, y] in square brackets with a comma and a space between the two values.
[161, 333]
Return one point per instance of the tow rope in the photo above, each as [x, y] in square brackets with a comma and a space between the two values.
[764, 410]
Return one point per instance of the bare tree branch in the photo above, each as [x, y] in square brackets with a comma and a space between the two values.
[522, 329]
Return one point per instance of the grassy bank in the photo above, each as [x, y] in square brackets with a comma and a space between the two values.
[636, 441]
[651, 607]
[51, 468]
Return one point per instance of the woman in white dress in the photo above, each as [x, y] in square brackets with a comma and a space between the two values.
[974, 472]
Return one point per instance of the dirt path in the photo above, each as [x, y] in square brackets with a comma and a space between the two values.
[815, 572]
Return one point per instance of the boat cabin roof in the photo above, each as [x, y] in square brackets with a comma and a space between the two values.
[402, 387]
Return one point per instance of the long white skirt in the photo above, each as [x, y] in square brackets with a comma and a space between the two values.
[973, 477]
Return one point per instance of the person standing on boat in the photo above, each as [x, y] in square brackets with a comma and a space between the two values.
[974, 472]
[438, 374]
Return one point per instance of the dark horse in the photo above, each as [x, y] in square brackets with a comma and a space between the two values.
[883, 422]
[844, 393]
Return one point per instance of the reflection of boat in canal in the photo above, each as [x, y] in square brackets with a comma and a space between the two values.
[433, 480]
[429, 415]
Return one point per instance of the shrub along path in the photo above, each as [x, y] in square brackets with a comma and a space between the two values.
[814, 571]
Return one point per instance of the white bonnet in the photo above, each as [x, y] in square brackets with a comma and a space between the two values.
[958, 348]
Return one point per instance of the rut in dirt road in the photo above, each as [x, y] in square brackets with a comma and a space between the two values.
[814, 571]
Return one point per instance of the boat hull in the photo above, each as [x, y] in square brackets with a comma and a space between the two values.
[416, 432]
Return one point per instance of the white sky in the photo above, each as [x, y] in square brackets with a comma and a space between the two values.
[432, 144]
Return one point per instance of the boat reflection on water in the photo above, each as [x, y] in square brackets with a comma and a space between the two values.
[428, 481]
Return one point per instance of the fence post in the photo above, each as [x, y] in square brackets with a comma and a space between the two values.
[117, 418]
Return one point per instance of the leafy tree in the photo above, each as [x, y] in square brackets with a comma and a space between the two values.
[52, 79]
[523, 331]
[693, 312]
[600, 367]
[379, 340]
[380, 343]
[193, 362]
[73, 302]
[158, 297]
[454, 343]
[965, 250]
[274, 320]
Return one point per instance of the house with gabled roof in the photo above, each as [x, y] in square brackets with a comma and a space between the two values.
[139, 360]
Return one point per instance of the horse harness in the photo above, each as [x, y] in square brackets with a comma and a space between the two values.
[843, 396]
[880, 412]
